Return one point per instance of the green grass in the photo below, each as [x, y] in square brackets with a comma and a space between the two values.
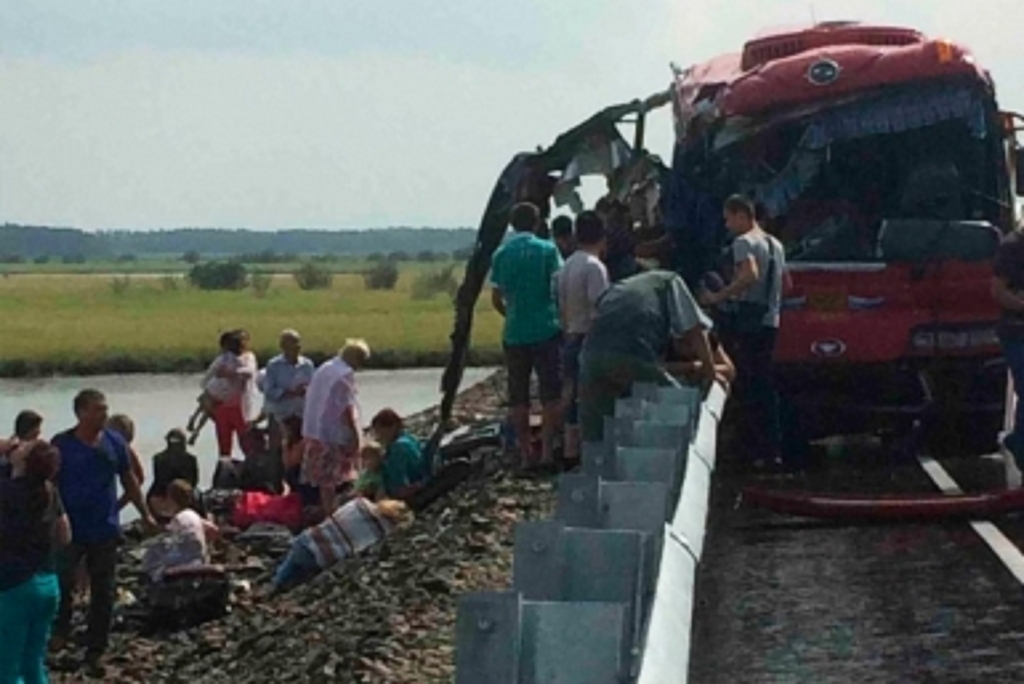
[86, 324]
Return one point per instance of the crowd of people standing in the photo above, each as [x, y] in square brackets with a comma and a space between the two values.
[583, 315]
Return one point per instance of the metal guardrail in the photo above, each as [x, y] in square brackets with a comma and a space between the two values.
[603, 594]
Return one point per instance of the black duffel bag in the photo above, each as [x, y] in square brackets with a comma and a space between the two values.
[186, 597]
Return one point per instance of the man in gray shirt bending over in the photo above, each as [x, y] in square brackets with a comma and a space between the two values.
[638, 321]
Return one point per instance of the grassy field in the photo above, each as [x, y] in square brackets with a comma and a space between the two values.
[106, 323]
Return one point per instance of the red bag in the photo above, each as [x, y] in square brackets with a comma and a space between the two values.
[254, 507]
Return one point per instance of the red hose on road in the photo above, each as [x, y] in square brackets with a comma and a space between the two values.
[897, 507]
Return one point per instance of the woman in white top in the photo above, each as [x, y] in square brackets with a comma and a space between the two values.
[330, 425]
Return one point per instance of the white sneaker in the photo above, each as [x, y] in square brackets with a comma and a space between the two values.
[1013, 474]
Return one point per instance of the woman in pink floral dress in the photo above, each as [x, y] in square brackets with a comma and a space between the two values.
[330, 425]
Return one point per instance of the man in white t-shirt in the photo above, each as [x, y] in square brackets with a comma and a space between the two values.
[579, 284]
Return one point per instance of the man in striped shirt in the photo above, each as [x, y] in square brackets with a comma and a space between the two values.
[353, 528]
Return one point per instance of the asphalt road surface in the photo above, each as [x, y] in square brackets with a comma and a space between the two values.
[784, 599]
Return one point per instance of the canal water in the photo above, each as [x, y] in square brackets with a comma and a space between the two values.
[159, 402]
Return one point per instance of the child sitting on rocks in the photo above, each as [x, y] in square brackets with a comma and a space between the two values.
[371, 480]
[353, 528]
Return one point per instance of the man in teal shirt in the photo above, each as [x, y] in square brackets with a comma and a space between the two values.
[522, 275]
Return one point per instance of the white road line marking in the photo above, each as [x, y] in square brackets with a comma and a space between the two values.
[1004, 549]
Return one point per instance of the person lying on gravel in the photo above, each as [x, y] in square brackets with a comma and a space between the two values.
[353, 528]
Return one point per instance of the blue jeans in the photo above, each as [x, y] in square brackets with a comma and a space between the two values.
[298, 566]
[26, 614]
[1013, 350]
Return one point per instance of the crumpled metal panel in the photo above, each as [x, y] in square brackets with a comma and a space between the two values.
[573, 643]
[488, 644]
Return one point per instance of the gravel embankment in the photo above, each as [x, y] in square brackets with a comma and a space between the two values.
[387, 616]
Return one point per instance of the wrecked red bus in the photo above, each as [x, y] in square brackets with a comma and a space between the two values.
[882, 161]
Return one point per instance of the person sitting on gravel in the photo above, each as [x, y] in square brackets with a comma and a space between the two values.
[186, 521]
[173, 463]
[353, 528]
[185, 542]
[370, 484]
[404, 470]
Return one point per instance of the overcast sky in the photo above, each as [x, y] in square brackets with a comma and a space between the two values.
[337, 113]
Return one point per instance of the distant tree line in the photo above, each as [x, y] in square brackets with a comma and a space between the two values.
[21, 244]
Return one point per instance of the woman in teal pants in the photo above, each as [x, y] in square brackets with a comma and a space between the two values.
[32, 526]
